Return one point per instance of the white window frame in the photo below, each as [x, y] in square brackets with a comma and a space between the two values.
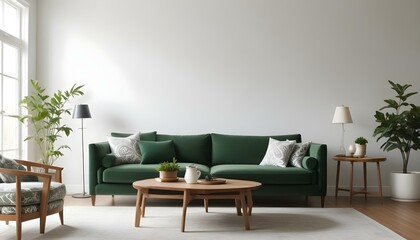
[21, 43]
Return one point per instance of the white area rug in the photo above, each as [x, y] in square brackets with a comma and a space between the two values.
[220, 223]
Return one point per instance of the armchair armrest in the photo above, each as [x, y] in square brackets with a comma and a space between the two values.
[29, 165]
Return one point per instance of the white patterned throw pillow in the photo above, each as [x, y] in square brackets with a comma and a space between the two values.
[278, 153]
[126, 150]
[299, 151]
[12, 164]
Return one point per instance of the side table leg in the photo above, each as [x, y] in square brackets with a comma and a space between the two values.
[364, 178]
[186, 201]
[138, 211]
[351, 181]
[337, 178]
[380, 181]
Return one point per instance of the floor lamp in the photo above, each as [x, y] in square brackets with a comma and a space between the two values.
[81, 111]
[342, 115]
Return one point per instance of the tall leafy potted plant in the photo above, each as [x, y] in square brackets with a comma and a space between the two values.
[400, 127]
[45, 114]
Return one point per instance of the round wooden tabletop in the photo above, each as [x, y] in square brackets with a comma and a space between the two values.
[181, 185]
[359, 159]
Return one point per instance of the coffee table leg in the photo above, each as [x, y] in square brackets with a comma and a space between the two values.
[238, 206]
[249, 201]
[143, 201]
[186, 201]
[206, 205]
[138, 205]
[245, 210]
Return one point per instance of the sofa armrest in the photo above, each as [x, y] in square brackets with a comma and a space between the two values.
[97, 151]
[319, 152]
[309, 163]
[108, 160]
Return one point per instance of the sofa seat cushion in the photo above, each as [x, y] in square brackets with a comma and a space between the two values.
[31, 193]
[263, 174]
[129, 173]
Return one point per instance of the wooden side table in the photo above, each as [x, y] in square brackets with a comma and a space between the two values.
[363, 160]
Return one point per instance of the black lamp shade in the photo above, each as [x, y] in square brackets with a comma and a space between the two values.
[81, 111]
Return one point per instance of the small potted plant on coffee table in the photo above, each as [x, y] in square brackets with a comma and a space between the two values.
[168, 171]
[360, 147]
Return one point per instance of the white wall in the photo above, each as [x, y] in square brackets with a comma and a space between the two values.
[236, 67]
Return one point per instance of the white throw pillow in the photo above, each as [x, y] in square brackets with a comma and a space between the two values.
[299, 151]
[278, 153]
[126, 150]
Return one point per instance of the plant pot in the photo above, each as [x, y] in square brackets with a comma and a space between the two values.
[168, 174]
[405, 187]
[360, 150]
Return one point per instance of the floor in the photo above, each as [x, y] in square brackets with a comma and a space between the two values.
[403, 218]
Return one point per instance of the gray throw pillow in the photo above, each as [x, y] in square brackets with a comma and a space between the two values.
[126, 150]
[299, 151]
[12, 164]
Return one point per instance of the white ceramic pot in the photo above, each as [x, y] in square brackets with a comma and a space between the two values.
[352, 149]
[360, 150]
[405, 187]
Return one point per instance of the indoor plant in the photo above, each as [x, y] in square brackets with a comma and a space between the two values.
[360, 147]
[400, 127]
[168, 170]
[45, 114]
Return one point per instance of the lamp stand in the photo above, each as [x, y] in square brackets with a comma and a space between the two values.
[342, 151]
[83, 194]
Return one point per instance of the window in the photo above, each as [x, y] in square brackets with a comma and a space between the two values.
[13, 42]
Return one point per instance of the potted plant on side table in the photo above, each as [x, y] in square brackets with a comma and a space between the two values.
[401, 129]
[168, 171]
[360, 147]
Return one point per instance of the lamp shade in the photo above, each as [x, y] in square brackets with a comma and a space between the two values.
[342, 115]
[81, 111]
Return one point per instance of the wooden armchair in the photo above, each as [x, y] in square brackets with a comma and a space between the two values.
[23, 201]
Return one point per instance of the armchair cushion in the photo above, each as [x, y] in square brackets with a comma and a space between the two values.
[12, 164]
[31, 193]
[30, 208]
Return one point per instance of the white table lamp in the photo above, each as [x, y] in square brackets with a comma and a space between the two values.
[342, 115]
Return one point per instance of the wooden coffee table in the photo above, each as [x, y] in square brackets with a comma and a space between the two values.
[239, 190]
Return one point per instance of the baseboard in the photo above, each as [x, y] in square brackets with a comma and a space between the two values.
[75, 188]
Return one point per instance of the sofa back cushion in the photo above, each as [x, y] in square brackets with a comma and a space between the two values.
[148, 136]
[190, 148]
[240, 149]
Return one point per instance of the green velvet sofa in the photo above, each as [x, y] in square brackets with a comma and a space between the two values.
[222, 156]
